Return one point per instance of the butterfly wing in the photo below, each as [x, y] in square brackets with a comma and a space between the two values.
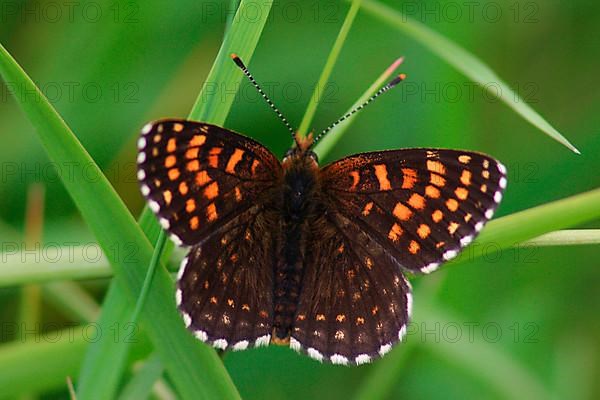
[421, 205]
[197, 176]
[208, 187]
[408, 209]
[358, 304]
[225, 285]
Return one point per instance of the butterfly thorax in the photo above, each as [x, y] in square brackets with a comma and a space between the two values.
[299, 202]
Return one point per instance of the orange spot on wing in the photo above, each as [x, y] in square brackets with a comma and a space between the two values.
[452, 204]
[193, 166]
[484, 188]
[417, 201]
[452, 227]
[211, 212]
[202, 178]
[382, 176]
[409, 179]
[461, 193]
[414, 247]
[173, 174]
[197, 140]
[395, 233]
[238, 194]
[402, 212]
[432, 192]
[465, 177]
[235, 158]
[367, 209]
[211, 191]
[194, 223]
[177, 127]
[170, 161]
[485, 174]
[355, 179]
[171, 145]
[213, 157]
[436, 166]
[192, 153]
[168, 196]
[183, 188]
[190, 205]
[423, 231]
[437, 180]
[464, 159]
[254, 166]
[437, 216]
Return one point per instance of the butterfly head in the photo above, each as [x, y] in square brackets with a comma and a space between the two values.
[301, 151]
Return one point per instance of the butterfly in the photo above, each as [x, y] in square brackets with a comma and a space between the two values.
[314, 258]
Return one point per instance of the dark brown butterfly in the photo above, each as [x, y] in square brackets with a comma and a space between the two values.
[313, 258]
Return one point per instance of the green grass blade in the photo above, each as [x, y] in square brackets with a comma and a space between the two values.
[328, 142]
[72, 300]
[570, 237]
[466, 63]
[528, 224]
[96, 200]
[51, 360]
[15, 269]
[158, 249]
[140, 386]
[328, 68]
[242, 38]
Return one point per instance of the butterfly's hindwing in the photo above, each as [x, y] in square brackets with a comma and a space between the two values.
[421, 205]
[224, 288]
[355, 304]
[196, 175]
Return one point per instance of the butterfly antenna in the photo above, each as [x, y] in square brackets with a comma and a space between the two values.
[381, 91]
[238, 61]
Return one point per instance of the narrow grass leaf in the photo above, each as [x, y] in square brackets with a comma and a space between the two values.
[242, 39]
[328, 142]
[140, 386]
[466, 63]
[570, 237]
[328, 68]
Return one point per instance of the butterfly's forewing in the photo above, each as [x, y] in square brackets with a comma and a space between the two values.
[208, 186]
[412, 209]
[196, 176]
[421, 205]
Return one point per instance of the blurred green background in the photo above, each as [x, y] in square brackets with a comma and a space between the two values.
[109, 67]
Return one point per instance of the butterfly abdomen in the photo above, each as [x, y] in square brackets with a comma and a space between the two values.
[297, 204]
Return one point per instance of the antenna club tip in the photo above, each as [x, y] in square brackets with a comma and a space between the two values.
[237, 60]
[397, 80]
